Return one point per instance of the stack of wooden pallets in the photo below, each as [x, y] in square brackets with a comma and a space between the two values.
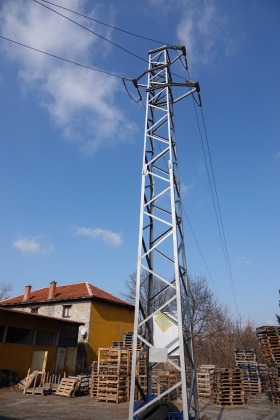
[112, 368]
[245, 357]
[94, 379]
[246, 361]
[110, 377]
[227, 387]
[273, 385]
[269, 341]
[204, 375]
[128, 339]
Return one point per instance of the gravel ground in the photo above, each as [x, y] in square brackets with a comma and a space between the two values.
[15, 405]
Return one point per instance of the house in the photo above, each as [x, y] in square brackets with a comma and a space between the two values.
[38, 342]
[105, 317]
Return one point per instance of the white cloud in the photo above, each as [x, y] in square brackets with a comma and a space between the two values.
[185, 189]
[31, 246]
[204, 30]
[107, 236]
[241, 261]
[277, 155]
[82, 103]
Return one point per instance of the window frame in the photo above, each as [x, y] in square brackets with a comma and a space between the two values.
[66, 311]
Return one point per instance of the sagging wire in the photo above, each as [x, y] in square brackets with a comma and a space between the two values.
[137, 88]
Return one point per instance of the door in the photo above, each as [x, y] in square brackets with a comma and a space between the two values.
[39, 361]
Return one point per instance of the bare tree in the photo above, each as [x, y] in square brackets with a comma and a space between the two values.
[225, 336]
[159, 297]
[215, 334]
[5, 289]
[203, 305]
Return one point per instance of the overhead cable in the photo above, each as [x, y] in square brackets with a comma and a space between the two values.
[106, 24]
[216, 203]
[61, 58]
[93, 32]
[100, 36]
[219, 209]
[200, 251]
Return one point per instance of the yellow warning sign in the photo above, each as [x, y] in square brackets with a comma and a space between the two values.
[163, 322]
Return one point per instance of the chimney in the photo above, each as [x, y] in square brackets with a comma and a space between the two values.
[27, 293]
[52, 290]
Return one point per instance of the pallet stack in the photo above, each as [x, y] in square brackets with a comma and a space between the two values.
[110, 377]
[245, 357]
[204, 375]
[227, 387]
[269, 341]
[94, 379]
[273, 385]
[246, 361]
[112, 368]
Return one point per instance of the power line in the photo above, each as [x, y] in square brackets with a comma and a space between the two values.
[219, 210]
[61, 58]
[77, 64]
[200, 251]
[100, 36]
[215, 199]
[93, 32]
[106, 24]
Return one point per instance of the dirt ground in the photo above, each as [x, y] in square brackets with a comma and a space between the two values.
[15, 405]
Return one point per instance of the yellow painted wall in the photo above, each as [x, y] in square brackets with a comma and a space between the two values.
[108, 322]
[18, 357]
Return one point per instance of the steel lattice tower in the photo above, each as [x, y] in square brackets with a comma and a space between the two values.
[161, 281]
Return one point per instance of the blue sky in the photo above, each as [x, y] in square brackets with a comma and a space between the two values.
[72, 139]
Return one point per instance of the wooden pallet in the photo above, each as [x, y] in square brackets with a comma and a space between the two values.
[269, 341]
[35, 383]
[245, 357]
[204, 376]
[66, 388]
[227, 387]
[113, 361]
[275, 397]
[111, 388]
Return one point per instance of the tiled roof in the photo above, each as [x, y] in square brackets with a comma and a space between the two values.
[68, 292]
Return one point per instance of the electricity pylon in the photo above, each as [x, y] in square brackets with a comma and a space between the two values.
[162, 328]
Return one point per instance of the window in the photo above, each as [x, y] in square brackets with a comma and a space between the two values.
[46, 338]
[66, 311]
[68, 336]
[19, 335]
[35, 309]
[2, 332]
